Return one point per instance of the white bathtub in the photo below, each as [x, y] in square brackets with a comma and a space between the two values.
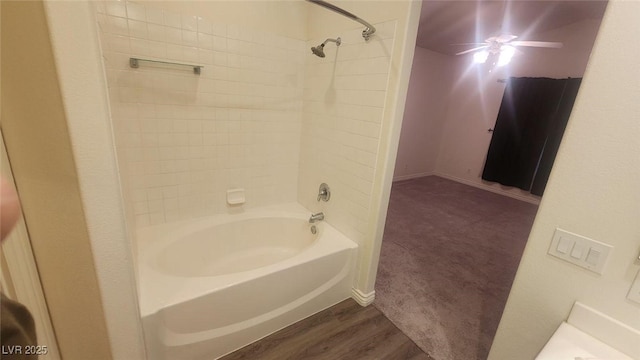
[212, 285]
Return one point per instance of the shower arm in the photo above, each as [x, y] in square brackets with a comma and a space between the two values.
[366, 33]
[338, 41]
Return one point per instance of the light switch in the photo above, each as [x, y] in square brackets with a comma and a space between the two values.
[576, 252]
[593, 257]
[634, 292]
[564, 245]
[579, 250]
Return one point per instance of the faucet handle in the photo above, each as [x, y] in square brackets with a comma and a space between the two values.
[324, 193]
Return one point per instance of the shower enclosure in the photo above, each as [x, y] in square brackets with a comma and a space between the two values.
[251, 110]
[263, 114]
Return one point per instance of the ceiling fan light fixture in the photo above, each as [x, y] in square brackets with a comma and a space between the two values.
[480, 57]
[506, 53]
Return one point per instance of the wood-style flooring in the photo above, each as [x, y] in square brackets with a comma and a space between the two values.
[345, 331]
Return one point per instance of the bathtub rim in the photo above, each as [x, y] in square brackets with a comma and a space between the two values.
[157, 289]
[161, 256]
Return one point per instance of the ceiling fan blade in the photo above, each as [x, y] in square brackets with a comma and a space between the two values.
[546, 44]
[504, 38]
[467, 44]
[472, 50]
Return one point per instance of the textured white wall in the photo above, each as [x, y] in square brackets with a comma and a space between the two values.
[82, 86]
[424, 115]
[592, 191]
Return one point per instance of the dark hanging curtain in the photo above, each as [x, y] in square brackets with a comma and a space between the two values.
[531, 121]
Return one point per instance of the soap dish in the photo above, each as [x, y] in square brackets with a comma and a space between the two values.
[235, 196]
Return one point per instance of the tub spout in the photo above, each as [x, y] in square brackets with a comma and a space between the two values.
[316, 217]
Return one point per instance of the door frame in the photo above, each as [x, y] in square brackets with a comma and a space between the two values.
[22, 281]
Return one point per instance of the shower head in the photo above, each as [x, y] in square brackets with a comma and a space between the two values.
[319, 50]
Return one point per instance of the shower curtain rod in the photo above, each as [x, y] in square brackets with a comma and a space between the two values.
[366, 33]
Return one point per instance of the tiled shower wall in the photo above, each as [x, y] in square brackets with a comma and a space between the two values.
[344, 99]
[246, 121]
[184, 139]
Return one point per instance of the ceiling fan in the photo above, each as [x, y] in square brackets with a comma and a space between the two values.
[504, 46]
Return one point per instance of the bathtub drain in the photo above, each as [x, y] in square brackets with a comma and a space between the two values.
[313, 229]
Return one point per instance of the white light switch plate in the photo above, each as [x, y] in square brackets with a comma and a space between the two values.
[634, 293]
[579, 250]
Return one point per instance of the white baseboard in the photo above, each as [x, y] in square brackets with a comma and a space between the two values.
[532, 199]
[362, 298]
[412, 176]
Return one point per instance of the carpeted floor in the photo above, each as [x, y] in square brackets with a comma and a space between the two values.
[449, 255]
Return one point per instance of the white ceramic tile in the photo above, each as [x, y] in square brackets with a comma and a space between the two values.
[146, 96]
[117, 25]
[172, 19]
[154, 194]
[380, 48]
[100, 7]
[246, 34]
[173, 35]
[125, 125]
[205, 57]
[116, 8]
[150, 169]
[233, 31]
[116, 61]
[233, 60]
[103, 23]
[155, 206]
[157, 49]
[195, 140]
[118, 43]
[180, 136]
[139, 47]
[219, 43]
[136, 11]
[233, 46]
[205, 41]
[185, 133]
[131, 140]
[154, 15]
[174, 52]
[156, 218]
[142, 220]
[189, 38]
[219, 29]
[165, 140]
[128, 94]
[190, 54]
[386, 30]
[204, 26]
[195, 126]
[167, 166]
[150, 154]
[171, 192]
[156, 32]
[190, 22]
[149, 140]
